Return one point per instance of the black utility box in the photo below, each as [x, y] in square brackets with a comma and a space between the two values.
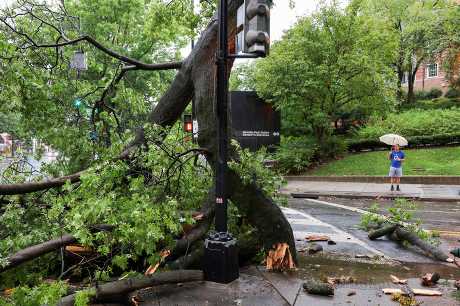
[221, 258]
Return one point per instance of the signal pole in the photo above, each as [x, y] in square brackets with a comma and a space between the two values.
[221, 252]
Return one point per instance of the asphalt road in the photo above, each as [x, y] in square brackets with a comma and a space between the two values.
[443, 217]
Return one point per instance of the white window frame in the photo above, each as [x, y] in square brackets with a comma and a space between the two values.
[427, 71]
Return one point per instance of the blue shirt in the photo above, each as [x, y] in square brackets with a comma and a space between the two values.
[393, 156]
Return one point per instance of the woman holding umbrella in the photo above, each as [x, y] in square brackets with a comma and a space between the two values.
[396, 157]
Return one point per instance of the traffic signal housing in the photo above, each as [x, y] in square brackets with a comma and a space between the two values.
[257, 27]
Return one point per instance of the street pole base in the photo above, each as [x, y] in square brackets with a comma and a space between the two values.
[220, 262]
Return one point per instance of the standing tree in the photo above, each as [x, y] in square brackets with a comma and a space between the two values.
[420, 28]
[138, 186]
[332, 62]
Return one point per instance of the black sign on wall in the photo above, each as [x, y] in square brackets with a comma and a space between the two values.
[255, 124]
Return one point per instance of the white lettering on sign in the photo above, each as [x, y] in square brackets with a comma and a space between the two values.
[256, 134]
[219, 201]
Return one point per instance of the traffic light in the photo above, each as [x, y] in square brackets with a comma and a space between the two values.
[188, 124]
[257, 27]
[77, 103]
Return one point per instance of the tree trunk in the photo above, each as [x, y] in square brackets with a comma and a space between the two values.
[38, 250]
[410, 87]
[399, 90]
[261, 211]
[122, 287]
[412, 238]
[382, 231]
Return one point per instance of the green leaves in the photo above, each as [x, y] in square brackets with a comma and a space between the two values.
[44, 294]
[413, 123]
[332, 62]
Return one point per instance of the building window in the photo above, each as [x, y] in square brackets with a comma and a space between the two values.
[432, 70]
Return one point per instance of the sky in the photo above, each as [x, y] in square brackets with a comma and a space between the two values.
[282, 17]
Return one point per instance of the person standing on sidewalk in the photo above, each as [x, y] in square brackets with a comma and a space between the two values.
[396, 158]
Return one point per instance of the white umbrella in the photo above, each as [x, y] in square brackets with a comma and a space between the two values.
[393, 139]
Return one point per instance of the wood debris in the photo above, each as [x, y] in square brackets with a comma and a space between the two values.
[197, 216]
[396, 280]
[280, 258]
[430, 279]
[404, 300]
[79, 249]
[318, 288]
[340, 280]
[317, 238]
[153, 268]
[424, 292]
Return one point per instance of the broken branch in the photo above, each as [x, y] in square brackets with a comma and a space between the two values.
[125, 286]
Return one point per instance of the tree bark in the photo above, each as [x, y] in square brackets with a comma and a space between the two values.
[125, 286]
[317, 288]
[412, 238]
[38, 250]
[265, 215]
[382, 231]
[10, 189]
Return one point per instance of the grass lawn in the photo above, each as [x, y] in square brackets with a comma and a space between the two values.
[438, 161]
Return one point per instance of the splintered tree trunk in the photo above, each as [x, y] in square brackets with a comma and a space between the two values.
[197, 78]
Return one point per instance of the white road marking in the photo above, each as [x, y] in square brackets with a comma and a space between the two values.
[338, 235]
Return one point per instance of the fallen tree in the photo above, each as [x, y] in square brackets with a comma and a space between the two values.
[38, 250]
[195, 78]
[398, 233]
[122, 287]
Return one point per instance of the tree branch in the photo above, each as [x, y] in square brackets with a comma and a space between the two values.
[38, 250]
[11, 189]
[123, 287]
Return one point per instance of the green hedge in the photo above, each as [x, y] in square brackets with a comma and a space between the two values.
[439, 103]
[413, 123]
[414, 141]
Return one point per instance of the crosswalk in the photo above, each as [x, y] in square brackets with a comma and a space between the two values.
[304, 225]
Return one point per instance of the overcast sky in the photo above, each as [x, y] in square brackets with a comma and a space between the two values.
[282, 17]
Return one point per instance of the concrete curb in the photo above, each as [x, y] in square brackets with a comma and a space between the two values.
[357, 195]
[425, 180]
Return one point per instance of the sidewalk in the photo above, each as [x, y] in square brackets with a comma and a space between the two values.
[258, 287]
[313, 189]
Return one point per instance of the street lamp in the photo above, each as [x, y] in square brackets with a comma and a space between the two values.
[221, 251]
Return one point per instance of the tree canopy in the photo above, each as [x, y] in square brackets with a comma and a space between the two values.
[332, 62]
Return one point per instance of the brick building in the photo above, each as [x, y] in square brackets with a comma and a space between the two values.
[428, 76]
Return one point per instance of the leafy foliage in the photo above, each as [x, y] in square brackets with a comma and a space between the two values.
[413, 123]
[421, 29]
[402, 213]
[316, 71]
[452, 93]
[295, 153]
[44, 294]
[251, 168]
[142, 200]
